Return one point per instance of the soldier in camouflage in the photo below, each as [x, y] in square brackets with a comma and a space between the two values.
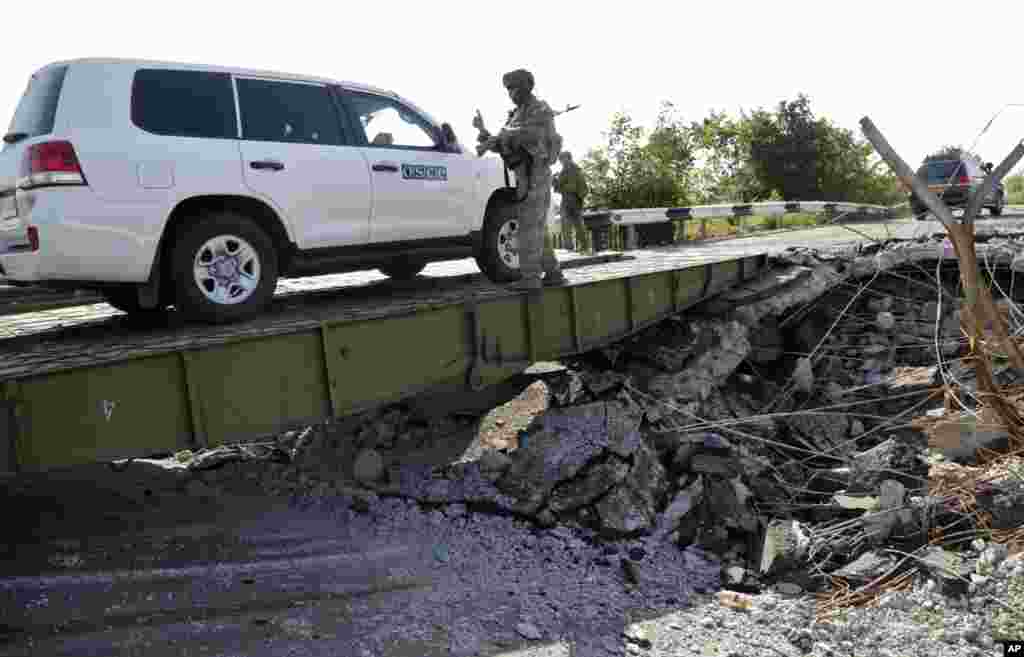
[529, 144]
[572, 185]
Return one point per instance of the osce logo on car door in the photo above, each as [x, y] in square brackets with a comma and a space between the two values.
[424, 172]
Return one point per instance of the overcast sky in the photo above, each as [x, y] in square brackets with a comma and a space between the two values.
[927, 74]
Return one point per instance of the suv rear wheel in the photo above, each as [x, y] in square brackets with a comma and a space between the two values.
[498, 258]
[223, 267]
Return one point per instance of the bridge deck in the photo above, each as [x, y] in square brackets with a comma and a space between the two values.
[86, 383]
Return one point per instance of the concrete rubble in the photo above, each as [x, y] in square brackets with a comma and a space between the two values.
[770, 427]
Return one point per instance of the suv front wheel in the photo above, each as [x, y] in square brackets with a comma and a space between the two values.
[498, 258]
[223, 267]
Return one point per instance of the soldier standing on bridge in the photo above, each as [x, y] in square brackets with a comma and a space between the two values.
[529, 145]
[572, 185]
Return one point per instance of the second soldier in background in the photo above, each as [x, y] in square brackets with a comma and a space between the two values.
[572, 185]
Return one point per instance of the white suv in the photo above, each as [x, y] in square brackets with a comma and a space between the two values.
[164, 184]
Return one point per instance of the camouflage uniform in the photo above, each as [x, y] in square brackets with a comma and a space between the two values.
[531, 127]
[572, 185]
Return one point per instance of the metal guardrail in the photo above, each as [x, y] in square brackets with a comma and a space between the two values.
[659, 223]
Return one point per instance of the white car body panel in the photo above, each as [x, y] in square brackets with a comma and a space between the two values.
[323, 192]
[405, 208]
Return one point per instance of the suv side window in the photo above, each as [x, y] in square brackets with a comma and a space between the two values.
[184, 103]
[289, 112]
[386, 122]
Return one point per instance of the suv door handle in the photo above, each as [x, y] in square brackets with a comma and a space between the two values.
[267, 164]
[385, 166]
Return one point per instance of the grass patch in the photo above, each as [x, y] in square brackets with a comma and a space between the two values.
[729, 226]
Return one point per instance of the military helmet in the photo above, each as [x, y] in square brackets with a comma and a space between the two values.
[518, 78]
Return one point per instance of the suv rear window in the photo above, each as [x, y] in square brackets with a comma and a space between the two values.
[38, 106]
[184, 103]
[942, 171]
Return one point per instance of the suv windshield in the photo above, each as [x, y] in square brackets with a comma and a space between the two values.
[943, 171]
[38, 106]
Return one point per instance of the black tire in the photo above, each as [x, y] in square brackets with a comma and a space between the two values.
[126, 299]
[402, 270]
[191, 238]
[492, 258]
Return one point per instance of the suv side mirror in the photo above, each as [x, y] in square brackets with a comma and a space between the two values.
[988, 167]
[448, 138]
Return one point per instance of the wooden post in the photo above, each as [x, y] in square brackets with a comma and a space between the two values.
[980, 308]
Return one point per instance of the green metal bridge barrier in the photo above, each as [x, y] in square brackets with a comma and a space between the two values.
[77, 395]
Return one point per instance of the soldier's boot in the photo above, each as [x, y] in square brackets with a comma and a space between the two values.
[552, 270]
[531, 250]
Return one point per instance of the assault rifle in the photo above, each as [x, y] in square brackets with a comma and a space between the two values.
[478, 123]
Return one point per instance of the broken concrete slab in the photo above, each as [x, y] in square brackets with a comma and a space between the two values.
[778, 281]
[566, 389]
[648, 476]
[950, 571]
[594, 483]
[889, 459]
[826, 432]
[1004, 501]
[706, 462]
[598, 383]
[767, 343]
[867, 567]
[624, 511]
[564, 442]
[684, 503]
[710, 368]
[623, 427]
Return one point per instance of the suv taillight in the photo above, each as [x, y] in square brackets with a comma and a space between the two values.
[51, 163]
[964, 180]
[33, 238]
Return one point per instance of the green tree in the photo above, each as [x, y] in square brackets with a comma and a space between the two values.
[724, 172]
[784, 149]
[787, 153]
[798, 156]
[848, 169]
[640, 169]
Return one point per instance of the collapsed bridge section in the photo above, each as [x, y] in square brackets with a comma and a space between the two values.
[112, 387]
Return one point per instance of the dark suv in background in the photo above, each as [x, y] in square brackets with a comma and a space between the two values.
[954, 181]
